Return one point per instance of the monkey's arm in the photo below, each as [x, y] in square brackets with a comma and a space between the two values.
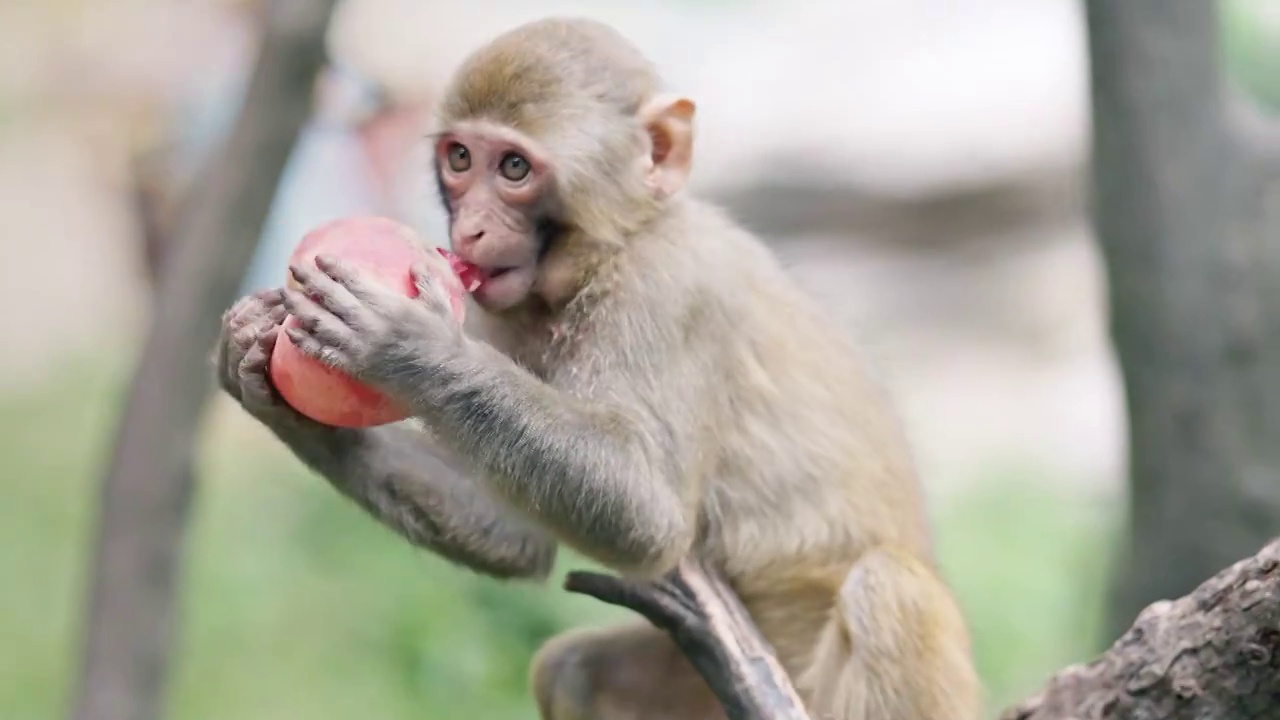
[395, 476]
[610, 482]
[602, 456]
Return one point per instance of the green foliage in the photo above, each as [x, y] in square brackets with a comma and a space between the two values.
[1251, 43]
[1029, 561]
[295, 605]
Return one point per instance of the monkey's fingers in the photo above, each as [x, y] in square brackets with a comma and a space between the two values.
[234, 345]
[249, 307]
[308, 312]
[255, 386]
[271, 297]
[242, 323]
[267, 340]
[317, 350]
[357, 284]
[256, 359]
[275, 316]
[327, 293]
[324, 326]
[430, 289]
[237, 315]
[246, 336]
[237, 335]
[264, 300]
[222, 367]
[221, 356]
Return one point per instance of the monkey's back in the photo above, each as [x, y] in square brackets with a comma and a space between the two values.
[804, 439]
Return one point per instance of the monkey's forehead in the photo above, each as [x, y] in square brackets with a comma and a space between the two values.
[547, 73]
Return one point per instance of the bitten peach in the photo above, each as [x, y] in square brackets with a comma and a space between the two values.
[386, 250]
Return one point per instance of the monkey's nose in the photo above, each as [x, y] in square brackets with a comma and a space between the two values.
[466, 240]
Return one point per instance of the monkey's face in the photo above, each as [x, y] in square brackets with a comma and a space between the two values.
[496, 187]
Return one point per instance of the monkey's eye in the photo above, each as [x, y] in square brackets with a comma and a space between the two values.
[459, 157]
[514, 167]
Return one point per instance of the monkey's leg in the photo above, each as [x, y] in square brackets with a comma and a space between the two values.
[895, 648]
[628, 672]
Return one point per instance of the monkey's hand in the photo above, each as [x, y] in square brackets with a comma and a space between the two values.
[389, 471]
[367, 330]
[249, 331]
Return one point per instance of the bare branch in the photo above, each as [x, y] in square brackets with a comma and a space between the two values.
[147, 488]
[153, 206]
[709, 624]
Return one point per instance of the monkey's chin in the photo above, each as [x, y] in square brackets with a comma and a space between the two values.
[506, 290]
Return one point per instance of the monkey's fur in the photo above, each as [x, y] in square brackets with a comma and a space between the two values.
[661, 387]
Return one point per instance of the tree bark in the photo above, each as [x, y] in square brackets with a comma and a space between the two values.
[146, 491]
[1187, 229]
[1212, 654]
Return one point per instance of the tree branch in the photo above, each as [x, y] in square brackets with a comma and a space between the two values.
[153, 198]
[1212, 654]
[146, 491]
[712, 628]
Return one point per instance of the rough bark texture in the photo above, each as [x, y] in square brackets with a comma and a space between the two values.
[147, 489]
[1212, 655]
[1187, 215]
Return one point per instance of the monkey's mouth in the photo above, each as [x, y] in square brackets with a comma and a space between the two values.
[469, 273]
[473, 276]
[494, 273]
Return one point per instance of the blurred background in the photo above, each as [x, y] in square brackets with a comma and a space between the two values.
[921, 165]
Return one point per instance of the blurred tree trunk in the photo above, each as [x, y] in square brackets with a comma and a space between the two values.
[146, 491]
[1187, 209]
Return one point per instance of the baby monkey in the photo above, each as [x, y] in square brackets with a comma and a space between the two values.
[641, 381]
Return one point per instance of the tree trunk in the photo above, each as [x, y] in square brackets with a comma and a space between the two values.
[146, 492]
[1189, 247]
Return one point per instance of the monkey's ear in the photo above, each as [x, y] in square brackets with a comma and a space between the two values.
[669, 121]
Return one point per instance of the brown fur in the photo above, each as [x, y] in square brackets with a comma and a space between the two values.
[666, 389]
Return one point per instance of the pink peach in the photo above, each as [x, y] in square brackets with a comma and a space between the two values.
[386, 250]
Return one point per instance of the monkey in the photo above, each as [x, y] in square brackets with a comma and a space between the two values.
[639, 379]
